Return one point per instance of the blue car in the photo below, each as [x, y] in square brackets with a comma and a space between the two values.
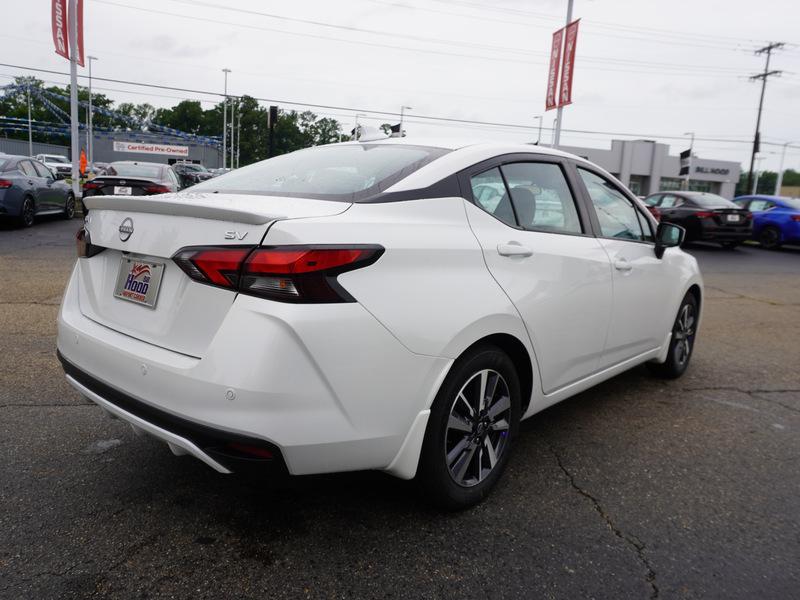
[776, 220]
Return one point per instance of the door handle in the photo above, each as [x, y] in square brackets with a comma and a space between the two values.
[513, 249]
[622, 264]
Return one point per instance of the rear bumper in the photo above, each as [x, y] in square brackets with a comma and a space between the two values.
[327, 387]
[725, 234]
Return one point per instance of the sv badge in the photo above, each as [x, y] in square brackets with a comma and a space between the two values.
[235, 235]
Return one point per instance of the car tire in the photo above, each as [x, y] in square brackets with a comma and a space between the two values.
[69, 207]
[27, 214]
[729, 245]
[468, 442]
[770, 238]
[681, 344]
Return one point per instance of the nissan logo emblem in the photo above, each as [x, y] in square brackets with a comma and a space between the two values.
[126, 229]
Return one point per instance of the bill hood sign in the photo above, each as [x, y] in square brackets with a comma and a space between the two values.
[147, 148]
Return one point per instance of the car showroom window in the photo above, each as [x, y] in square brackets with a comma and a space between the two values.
[344, 172]
[617, 216]
[490, 193]
[541, 197]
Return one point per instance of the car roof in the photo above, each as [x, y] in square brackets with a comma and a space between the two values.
[137, 162]
[761, 197]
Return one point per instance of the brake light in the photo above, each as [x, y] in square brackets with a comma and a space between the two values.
[92, 185]
[795, 218]
[5, 184]
[299, 274]
[701, 214]
[157, 189]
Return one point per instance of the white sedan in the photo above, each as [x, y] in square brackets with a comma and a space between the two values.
[396, 305]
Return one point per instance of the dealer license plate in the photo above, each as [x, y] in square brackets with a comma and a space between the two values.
[733, 218]
[122, 190]
[138, 281]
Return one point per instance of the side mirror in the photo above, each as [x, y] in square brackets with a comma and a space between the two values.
[668, 235]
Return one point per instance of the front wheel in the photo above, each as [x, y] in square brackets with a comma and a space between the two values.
[473, 423]
[681, 344]
[69, 207]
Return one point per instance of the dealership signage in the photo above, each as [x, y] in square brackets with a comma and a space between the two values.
[562, 58]
[60, 26]
[712, 170]
[148, 148]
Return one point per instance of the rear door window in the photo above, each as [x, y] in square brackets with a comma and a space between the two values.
[760, 205]
[42, 170]
[26, 167]
[670, 201]
[541, 197]
[490, 193]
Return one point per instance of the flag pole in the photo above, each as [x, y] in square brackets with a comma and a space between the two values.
[72, 19]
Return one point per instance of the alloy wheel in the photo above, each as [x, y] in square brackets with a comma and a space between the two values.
[683, 334]
[27, 213]
[69, 207]
[477, 428]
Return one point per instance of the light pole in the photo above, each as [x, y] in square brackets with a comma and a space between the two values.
[233, 130]
[539, 139]
[238, 137]
[557, 132]
[90, 138]
[402, 114]
[779, 181]
[30, 127]
[758, 160]
[689, 170]
[225, 119]
[355, 130]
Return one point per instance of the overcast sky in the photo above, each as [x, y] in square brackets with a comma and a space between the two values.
[644, 67]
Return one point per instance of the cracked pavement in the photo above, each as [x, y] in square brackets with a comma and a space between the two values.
[638, 488]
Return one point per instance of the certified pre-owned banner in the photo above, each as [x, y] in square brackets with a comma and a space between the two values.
[570, 40]
[59, 18]
[147, 148]
[551, 100]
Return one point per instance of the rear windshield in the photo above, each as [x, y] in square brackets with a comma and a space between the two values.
[55, 159]
[344, 172]
[133, 170]
[712, 201]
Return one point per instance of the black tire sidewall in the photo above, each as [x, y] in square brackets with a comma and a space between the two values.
[68, 214]
[777, 237]
[25, 202]
[433, 473]
[672, 369]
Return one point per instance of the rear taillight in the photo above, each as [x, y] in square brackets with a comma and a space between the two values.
[795, 218]
[5, 184]
[157, 189]
[92, 185]
[300, 274]
[700, 214]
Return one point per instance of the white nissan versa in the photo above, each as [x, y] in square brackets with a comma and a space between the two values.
[392, 305]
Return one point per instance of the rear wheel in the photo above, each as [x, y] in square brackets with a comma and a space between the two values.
[472, 426]
[681, 344]
[770, 237]
[28, 212]
[69, 207]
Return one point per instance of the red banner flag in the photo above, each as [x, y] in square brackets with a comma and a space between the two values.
[80, 32]
[551, 100]
[570, 41]
[60, 36]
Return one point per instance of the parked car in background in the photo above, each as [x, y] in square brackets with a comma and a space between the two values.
[60, 165]
[133, 178]
[650, 203]
[191, 173]
[29, 189]
[706, 217]
[219, 171]
[98, 168]
[776, 220]
[395, 305]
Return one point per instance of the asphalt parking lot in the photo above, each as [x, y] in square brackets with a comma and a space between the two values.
[638, 488]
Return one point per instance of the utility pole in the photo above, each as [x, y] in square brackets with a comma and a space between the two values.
[539, 138]
[557, 132]
[30, 127]
[763, 77]
[779, 181]
[90, 137]
[225, 119]
[402, 113]
[691, 150]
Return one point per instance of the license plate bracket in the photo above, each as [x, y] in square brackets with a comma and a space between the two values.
[138, 281]
[123, 190]
[733, 218]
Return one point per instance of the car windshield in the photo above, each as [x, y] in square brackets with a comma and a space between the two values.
[711, 201]
[344, 172]
[793, 202]
[55, 159]
[194, 167]
[134, 170]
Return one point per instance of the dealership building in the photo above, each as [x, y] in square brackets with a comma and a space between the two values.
[646, 167]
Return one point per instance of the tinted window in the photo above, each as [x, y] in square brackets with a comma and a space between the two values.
[541, 197]
[652, 200]
[42, 170]
[617, 216]
[26, 167]
[711, 201]
[760, 205]
[670, 201]
[134, 170]
[489, 192]
[346, 172]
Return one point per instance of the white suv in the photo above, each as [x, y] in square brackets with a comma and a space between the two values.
[391, 305]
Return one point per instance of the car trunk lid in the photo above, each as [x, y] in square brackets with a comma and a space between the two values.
[142, 233]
